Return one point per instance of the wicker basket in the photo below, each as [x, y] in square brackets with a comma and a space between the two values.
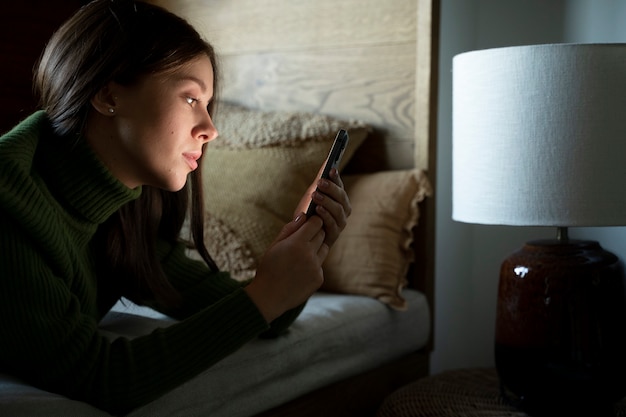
[458, 393]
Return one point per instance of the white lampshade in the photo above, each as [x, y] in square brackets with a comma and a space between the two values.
[539, 135]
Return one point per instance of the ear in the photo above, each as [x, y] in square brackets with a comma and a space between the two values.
[104, 101]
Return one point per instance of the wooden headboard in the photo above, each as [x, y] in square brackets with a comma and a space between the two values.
[367, 59]
[371, 60]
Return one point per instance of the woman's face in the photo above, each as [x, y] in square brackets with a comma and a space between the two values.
[160, 125]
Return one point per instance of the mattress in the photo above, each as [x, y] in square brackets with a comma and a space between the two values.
[335, 337]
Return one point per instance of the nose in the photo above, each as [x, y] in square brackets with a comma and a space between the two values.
[206, 131]
[212, 132]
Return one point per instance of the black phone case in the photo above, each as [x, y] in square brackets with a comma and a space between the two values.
[332, 161]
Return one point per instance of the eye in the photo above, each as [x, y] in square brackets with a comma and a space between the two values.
[191, 100]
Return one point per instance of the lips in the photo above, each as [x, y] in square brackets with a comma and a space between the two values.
[192, 159]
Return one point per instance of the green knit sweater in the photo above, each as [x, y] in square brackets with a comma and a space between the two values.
[53, 196]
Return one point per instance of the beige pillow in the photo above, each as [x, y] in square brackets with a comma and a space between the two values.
[373, 253]
[256, 172]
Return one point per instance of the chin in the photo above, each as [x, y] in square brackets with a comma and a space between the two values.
[176, 187]
[173, 180]
[170, 185]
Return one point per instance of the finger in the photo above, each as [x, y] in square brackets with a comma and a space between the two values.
[320, 246]
[309, 229]
[291, 227]
[334, 175]
[335, 192]
[318, 239]
[322, 252]
[331, 211]
[330, 225]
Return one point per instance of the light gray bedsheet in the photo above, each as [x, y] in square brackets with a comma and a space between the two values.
[335, 337]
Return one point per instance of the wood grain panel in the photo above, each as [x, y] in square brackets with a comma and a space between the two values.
[374, 84]
[271, 25]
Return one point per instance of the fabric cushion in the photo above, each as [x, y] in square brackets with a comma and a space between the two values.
[372, 255]
[257, 171]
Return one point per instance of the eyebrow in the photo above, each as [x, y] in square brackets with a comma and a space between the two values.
[180, 78]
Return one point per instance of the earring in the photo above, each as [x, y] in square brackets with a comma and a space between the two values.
[111, 110]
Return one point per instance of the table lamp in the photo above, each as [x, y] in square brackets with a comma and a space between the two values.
[539, 139]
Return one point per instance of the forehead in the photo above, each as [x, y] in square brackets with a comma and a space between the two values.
[198, 70]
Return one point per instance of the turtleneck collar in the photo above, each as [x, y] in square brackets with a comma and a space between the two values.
[77, 177]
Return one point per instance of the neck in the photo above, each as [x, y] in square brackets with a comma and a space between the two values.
[103, 139]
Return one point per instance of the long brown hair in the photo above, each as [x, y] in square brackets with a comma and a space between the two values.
[122, 41]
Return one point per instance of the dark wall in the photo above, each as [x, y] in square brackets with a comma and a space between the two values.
[25, 27]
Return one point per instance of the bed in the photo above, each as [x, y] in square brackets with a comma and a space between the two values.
[293, 72]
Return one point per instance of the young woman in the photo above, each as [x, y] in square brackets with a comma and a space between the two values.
[94, 191]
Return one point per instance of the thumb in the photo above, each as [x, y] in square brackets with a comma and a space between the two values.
[291, 227]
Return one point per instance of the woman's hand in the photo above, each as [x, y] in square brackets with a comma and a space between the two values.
[333, 204]
[291, 269]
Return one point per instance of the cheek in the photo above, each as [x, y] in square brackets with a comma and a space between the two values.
[170, 127]
[127, 133]
[153, 138]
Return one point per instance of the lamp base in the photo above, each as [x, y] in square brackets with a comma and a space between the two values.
[560, 342]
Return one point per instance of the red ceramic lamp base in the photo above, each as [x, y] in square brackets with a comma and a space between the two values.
[560, 329]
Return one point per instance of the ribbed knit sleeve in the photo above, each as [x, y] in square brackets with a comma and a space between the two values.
[47, 338]
[200, 288]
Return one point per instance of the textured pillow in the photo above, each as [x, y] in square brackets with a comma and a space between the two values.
[372, 255]
[256, 172]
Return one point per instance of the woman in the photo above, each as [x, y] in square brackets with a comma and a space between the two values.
[94, 193]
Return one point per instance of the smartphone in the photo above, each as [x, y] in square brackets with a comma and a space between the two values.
[332, 161]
